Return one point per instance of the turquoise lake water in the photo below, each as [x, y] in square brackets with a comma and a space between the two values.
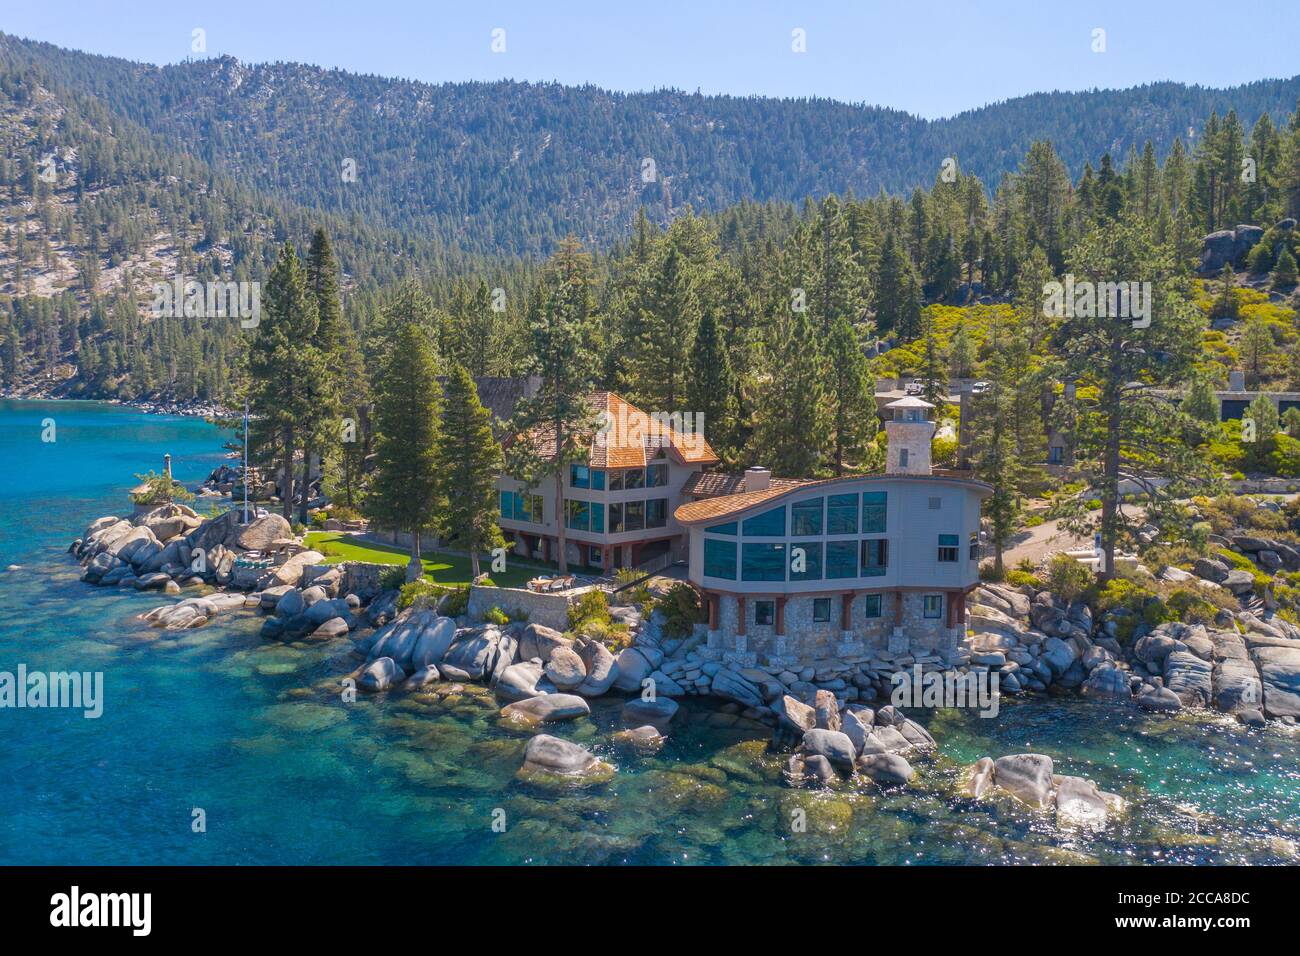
[256, 735]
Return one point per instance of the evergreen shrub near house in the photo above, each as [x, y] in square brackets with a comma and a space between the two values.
[1067, 578]
[682, 609]
[1021, 579]
[494, 615]
[411, 591]
[591, 607]
[392, 578]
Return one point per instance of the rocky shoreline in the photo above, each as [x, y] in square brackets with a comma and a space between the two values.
[833, 718]
[190, 409]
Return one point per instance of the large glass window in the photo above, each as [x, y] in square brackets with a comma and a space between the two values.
[615, 481]
[763, 562]
[578, 515]
[811, 561]
[598, 517]
[765, 613]
[517, 507]
[634, 516]
[579, 476]
[634, 478]
[507, 508]
[932, 608]
[806, 518]
[875, 557]
[656, 475]
[873, 511]
[948, 547]
[720, 559]
[841, 559]
[842, 514]
[656, 512]
[728, 528]
[770, 524]
[871, 605]
[598, 479]
[615, 519]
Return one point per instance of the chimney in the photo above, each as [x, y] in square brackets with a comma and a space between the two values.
[757, 479]
[909, 432]
[1236, 380]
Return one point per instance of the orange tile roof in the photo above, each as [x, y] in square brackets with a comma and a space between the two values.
[724, 506]
[709, 484]
[629, 438]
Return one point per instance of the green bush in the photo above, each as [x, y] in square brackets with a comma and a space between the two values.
[457, 600]
[681, 608]
[413, 590]
[1020, 579]
[160, 490]
[591, 606]
[392, 578]
[494, 615]
[1067, 578]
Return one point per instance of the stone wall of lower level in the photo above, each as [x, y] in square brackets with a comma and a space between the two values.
[807, 640]
[551, 610]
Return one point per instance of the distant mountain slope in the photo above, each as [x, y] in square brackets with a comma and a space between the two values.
[510, 167]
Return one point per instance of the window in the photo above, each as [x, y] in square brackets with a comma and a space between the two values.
[577, 515]
[579, 476]
[948, 546]
[821, 610]
[598, 517]
[875, 557]
[615, 481]
[874, 504]
[936, 504]
[902, 457]
[634, 516]
[842, 514]
[656, 475]
[974, 546]
[841, 559]
[634, 478]
[765, 612]
[517, 507]
[806, 517]
[597, 479]
[871, 605]
[762, 562]
[810, 561]
[932, 608]
[615, 519]
[1055, 455]
[656, 512]
[769, 524]
[594, 558]
[720, 559]
[728, 528]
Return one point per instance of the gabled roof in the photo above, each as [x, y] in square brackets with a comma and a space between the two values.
[629, 438]
[726, 506]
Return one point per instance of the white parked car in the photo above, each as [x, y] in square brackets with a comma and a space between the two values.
[979, 388]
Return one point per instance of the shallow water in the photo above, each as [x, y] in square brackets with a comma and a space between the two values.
[257, 736]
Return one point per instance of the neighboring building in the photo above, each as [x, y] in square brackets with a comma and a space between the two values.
[618, 508]
[797, 571]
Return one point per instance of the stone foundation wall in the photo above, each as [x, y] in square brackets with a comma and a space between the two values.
[806, 640]
[358, 577]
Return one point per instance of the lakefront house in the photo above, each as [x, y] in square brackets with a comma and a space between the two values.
[618, 507]
[798, 571]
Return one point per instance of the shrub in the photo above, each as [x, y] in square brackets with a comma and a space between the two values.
[158, 489]
[1033, 521]
[412, 591]
[638, 595]
[457, 600]
[392, 578]
[494, 615]
[1020, 579]
[1067, 578]
[591, 606]
[681, 608]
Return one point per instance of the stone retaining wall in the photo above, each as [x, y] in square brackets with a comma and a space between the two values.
[551, 610]
[359, 577]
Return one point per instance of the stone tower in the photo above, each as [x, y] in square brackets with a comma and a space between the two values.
[909, 431]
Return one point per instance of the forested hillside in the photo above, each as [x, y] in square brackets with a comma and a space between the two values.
[514, 167]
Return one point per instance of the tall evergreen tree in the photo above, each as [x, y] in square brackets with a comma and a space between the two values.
[851, 394]
[468, 463]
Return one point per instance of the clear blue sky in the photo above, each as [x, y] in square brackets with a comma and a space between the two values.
[929, 57]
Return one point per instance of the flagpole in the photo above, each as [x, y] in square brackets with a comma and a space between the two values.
[245, 461]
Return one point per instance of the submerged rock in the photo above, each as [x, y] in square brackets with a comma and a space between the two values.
[1028, 777]
[380, 675]
[646, 738]
[547, 758]
[658, 712]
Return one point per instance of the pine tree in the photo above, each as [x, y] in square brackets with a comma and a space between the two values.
[993, 447]
[1284, 272]
[710, 388]
[851, 393]
[404, 490]
[468, 463]
[668, 322]
[793, 427]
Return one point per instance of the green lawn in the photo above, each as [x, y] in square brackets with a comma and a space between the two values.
[439, 567]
